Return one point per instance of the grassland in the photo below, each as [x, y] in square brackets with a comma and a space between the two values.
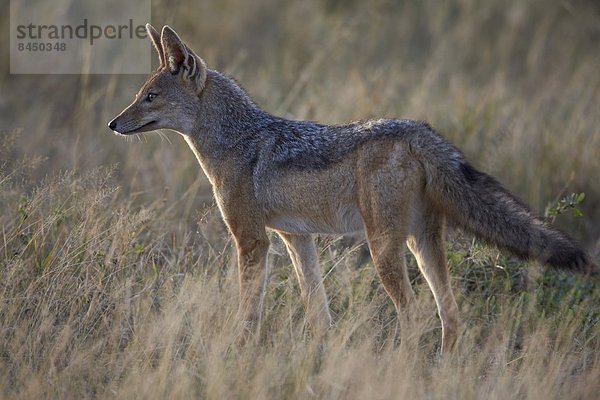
[118, 278]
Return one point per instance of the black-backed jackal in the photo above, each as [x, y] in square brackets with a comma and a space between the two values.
[396, 180]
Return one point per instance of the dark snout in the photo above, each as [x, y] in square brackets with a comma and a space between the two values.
[123, 124]
[128, 123]
[116, 124]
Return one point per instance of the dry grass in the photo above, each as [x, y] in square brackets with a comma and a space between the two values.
[113, 286]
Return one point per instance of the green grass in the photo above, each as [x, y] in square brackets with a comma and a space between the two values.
[118, 278]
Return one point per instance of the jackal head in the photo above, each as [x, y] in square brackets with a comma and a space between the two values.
[170, 96]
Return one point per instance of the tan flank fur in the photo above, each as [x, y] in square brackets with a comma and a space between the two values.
[396, 180]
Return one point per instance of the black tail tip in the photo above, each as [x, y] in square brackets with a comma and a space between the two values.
[575, 260]
[592, 270]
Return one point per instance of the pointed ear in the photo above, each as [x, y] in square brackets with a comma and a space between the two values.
[155, 37]
[175, 51]
[179, 57]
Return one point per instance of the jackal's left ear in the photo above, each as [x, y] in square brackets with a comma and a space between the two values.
[180, 58]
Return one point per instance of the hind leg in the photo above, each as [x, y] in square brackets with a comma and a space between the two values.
[427, 245]
[385, 192]
[387, 252]
[385, 228]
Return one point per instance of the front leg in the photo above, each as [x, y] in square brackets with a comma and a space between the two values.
[303, 253]
[245, 222]
[252, 255]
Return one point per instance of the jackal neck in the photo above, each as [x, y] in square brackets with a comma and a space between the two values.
[228, 127]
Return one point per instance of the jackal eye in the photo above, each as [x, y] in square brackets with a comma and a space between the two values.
[151, 96]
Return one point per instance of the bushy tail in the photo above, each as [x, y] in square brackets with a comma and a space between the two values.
[479, 204]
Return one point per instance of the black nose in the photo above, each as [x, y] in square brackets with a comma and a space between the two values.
[112, 125]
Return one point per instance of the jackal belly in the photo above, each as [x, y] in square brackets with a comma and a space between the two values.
[345, 219]
[321, 201]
